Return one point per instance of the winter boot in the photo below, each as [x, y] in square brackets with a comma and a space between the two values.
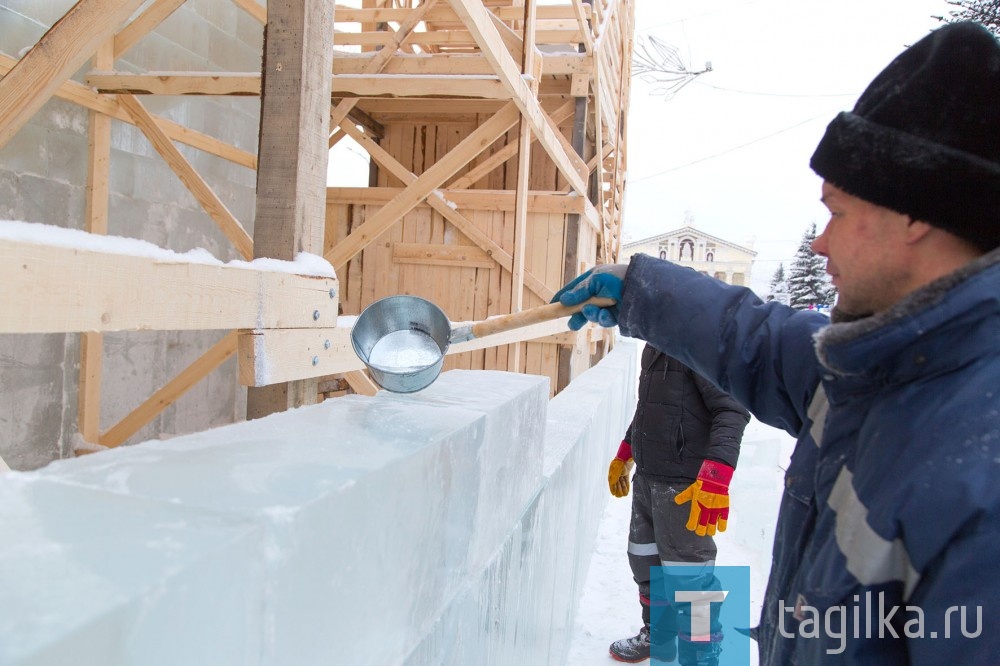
[632, 650]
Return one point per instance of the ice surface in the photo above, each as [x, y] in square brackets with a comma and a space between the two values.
[362, 503]
[88, 577]
[449, 526]
[509, 465]
[520, 609]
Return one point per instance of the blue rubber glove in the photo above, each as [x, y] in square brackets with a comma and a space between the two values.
[604, 281]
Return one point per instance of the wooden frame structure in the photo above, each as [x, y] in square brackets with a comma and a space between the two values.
[496, 131]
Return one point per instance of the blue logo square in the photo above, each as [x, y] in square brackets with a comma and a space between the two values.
[695, 612]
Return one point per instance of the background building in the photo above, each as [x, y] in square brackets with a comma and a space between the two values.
[703, 252]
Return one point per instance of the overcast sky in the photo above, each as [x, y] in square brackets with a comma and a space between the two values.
[732, 148]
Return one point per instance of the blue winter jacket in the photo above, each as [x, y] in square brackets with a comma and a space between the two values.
[892, 495]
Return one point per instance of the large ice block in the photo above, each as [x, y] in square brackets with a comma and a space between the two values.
[509, 464]
[451, 526]
[364, 507]
[91, 577]
[519, 608]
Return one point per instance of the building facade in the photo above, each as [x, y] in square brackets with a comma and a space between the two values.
[707, 254]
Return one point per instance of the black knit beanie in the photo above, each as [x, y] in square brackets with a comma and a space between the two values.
[924, 137]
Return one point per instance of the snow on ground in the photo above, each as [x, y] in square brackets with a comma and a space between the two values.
[609, 606]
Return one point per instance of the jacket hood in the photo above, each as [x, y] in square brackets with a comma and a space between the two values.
[941, 325]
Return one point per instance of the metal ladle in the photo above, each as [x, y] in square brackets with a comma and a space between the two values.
[402, 340]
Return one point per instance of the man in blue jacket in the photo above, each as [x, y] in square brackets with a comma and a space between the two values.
[685, 433]
[887, 548]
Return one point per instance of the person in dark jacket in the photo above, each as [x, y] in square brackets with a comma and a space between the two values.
[685, 433]
[885, 551]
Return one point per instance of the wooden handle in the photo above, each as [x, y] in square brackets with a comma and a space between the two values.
[537, 315]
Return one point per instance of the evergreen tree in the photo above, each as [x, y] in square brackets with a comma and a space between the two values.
[779, 286]
[808, 284]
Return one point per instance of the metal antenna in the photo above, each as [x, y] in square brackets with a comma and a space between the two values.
[656, 61]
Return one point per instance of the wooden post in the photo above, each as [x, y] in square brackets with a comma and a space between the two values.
[96, 222]
[292, 156]
[523, 183]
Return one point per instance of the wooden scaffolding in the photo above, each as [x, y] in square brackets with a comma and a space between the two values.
[496, 131]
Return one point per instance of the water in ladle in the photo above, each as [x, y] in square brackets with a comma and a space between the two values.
[404, 351]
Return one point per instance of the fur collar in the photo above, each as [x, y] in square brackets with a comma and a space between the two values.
[845, 327]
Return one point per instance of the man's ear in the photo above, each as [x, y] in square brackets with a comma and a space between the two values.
[917, 231]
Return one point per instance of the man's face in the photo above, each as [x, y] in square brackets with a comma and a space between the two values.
[865, 248]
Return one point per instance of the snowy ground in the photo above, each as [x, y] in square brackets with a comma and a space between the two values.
[609, 607]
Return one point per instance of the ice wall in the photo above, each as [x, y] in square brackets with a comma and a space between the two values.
[452, 526]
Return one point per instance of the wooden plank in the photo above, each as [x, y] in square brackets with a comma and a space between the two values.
[426, 183]
[291, 188]
[61, 51]
[212, 204]
[467, 38]
[419, 85]
[144, 24]
[293, 152]
[476, 18]
[521, 190]
[176, 83]
[285, 355]
[60, 289]
[553, 64]
[427, 254]
[95, 222]
[216, 355]
[361, 383]
[580, 11]
[538, 202]
[440, 14]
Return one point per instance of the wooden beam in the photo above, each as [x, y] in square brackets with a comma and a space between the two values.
[521, 187]
[476, 142]
[71, 91]
[553, 64]
[284, 355]
[212, 204]
[581, 12]
[144, 24]
[475, 16]
[361, 383]
[419, 85]
[293, 154]
[95, 222]
[538, 201]
[60, 52]
[443, 13]
[176, 83]
[344, 85]
[171, 392]
[57, 289]
[461, 256]
[454, 38]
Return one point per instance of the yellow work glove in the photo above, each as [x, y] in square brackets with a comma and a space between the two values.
[709, 497]
[620, 469]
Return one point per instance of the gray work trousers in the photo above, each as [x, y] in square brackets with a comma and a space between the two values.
[658, 536]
